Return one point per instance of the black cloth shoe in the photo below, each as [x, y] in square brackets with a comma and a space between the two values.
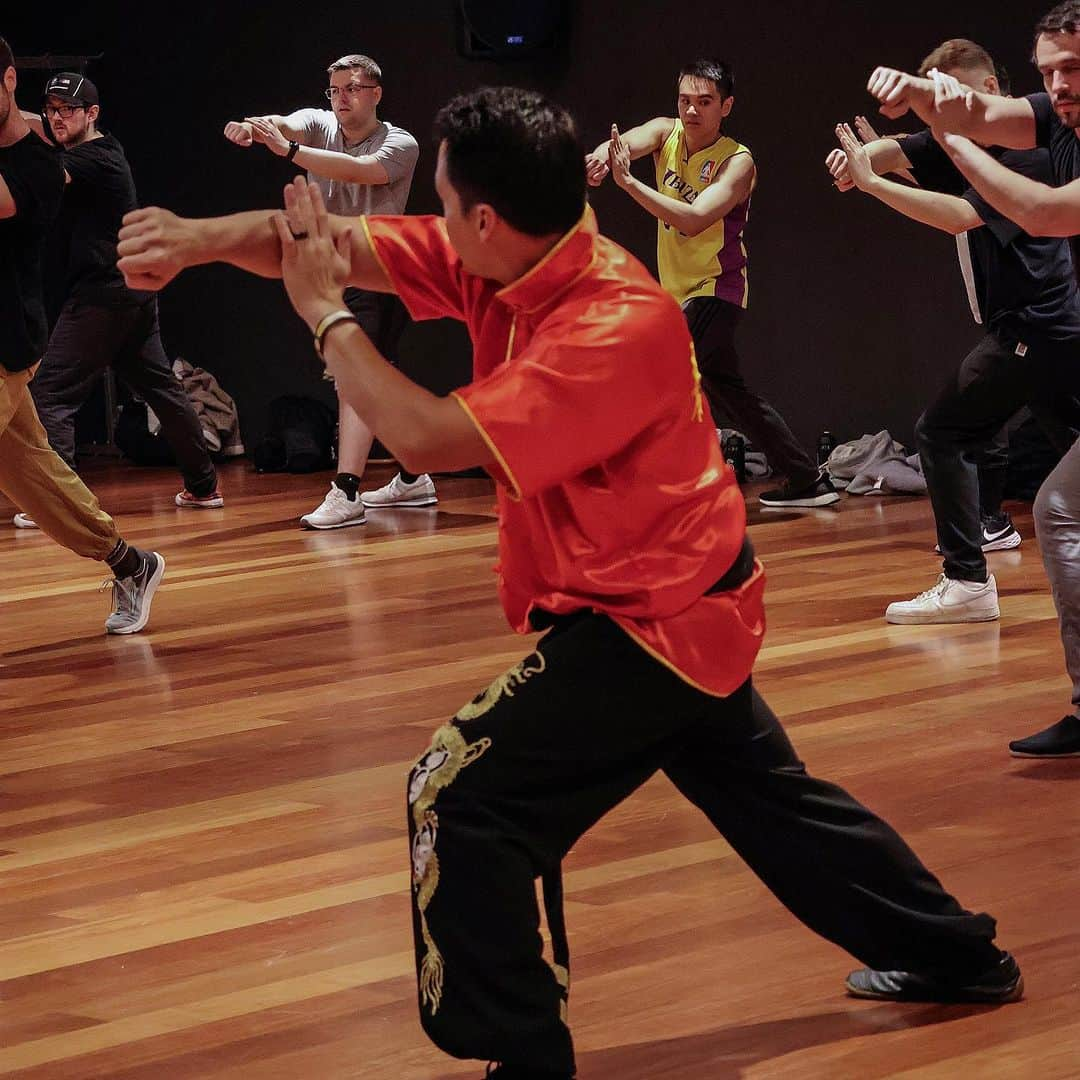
[1001, 984]
[1057, 741]
[819, 492]
[503, 1071]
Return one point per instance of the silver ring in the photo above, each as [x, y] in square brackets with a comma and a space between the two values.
[299, 235]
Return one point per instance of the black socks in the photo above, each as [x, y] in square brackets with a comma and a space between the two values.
[349, 483]
[124, 559]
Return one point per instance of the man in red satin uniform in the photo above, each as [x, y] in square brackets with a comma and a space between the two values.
[622, 534]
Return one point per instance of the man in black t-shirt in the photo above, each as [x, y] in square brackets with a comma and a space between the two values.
[1022, 290]
[1050, 120]
[31, 473]
[103, 322]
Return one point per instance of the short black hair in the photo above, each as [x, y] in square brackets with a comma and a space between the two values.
[719, 73]
[517, 151]
[7, 57]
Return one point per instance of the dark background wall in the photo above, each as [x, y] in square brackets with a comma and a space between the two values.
[854, 311]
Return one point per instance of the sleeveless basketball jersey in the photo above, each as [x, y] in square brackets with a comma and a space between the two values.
[713, 263]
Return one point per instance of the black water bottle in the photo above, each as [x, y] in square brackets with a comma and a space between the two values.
[826, 444]
[734, 450]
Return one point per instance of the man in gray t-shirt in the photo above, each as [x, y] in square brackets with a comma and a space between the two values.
[362, 165]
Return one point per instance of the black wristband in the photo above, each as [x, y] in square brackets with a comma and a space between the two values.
[293, 147]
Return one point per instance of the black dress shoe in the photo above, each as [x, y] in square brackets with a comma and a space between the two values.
[1001, 984]
[1057, 741]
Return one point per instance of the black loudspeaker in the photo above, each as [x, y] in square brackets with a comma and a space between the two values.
[508, 29]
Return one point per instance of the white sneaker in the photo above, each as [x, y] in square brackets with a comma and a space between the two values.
[23, 521]
[421, 492]
[336, 511]
[948, 601]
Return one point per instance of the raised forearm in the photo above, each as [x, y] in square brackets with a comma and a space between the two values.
[1038, 209]
[670, 211]
[946, 212]
[333, 165]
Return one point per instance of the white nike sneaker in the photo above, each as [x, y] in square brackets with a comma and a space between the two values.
[421, 492]
[949, 601]
[23, 521]
[336, 511]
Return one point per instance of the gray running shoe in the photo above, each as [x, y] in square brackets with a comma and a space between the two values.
[133, 595]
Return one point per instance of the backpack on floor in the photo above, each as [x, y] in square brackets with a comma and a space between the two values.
[300, 437]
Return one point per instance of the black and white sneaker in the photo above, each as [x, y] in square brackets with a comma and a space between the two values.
[999, 533]
[819, 492]
[999, 985]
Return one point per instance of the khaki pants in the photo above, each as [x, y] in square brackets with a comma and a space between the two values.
[33, 476]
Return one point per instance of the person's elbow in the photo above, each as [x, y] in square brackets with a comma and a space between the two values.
[1049, 215]
[695, 225]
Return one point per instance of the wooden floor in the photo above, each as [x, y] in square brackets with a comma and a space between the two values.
[202, 853]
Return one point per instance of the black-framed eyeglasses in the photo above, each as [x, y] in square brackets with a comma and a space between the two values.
[332, 92]
[66, 112]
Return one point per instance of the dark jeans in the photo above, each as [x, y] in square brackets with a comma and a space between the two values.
[991, 384]
[87, 339]
[712, 325]
[507, 787]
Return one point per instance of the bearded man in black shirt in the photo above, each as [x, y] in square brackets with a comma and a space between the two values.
[103, 322]
[31, 473]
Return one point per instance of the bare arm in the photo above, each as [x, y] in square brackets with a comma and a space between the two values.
[644, 139]
[732, 185]
[155, 245]
[993, 120]
[1038, 209]
[949, 213]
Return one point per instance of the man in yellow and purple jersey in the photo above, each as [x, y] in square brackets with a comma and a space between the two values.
[701, 201]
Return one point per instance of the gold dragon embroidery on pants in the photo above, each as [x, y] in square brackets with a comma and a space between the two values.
[447, 755]
[503, 686]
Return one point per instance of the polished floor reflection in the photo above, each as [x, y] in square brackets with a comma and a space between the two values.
[202, 860]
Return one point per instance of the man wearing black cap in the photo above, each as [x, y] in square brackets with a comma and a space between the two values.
[31, 473]
[102, 321]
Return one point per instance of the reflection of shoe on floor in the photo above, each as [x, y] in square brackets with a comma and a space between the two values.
[420, 492]
[949, 601]
[998, 534]
[1060, 740]
[23, 521]
[336, 511]
[200, 502]
[133, 595]
[820, 492]
[1001, 984]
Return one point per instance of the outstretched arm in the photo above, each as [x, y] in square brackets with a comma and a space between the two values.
[644, 139]
[733, 184]
[242, 132]
[1038, 209]
[993, 120]
[155, 245]
[949, 213]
